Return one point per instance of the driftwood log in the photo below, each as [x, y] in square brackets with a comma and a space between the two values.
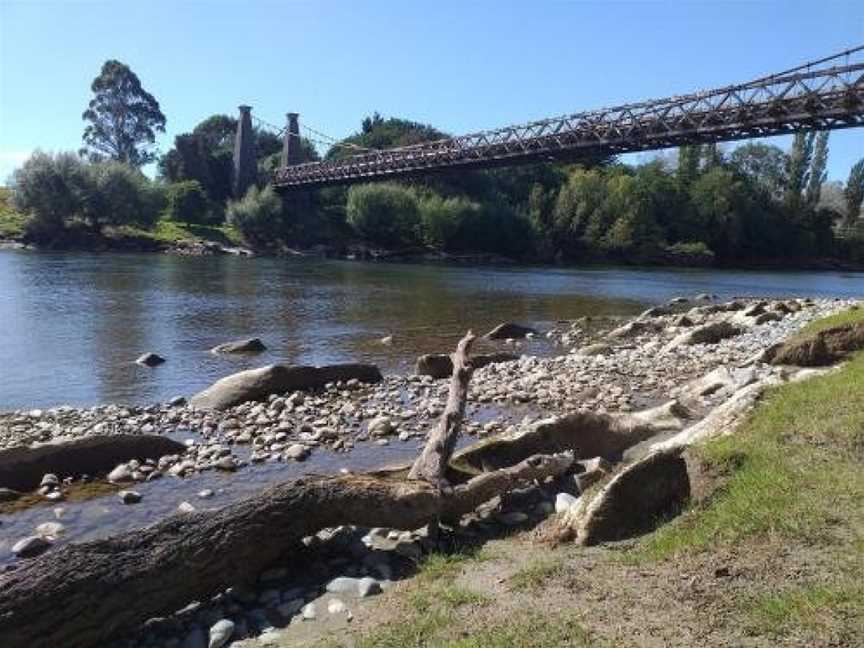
[86, 594]
[431, 465]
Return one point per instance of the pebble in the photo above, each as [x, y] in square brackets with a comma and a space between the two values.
[30, 546]
[220, 633]
[564, 501]
[309, 612]
[185, 507]
[50, 529]
[129, 496]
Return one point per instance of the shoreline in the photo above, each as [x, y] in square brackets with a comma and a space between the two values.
[203, 248]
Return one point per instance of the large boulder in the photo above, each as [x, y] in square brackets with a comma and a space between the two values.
[706, 334]
[509, 331]
[440, 365]
[22, 468]
[258, 384]
[249, 345]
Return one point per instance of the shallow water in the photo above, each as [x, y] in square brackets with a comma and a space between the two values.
[72, 323]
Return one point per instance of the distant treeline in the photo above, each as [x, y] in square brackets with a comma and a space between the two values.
[703, 205]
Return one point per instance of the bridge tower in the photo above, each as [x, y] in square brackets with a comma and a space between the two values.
[291, 151]
[245, 166]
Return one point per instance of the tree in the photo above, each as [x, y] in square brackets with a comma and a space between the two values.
[711, 156]
[51, 189]
[854, 192]
[123, 117]
[385, 213]
[817, 169]
[258, 216]
[187, 202]
[118, 194]
[764, 164]
[688, 165]
[798, 168]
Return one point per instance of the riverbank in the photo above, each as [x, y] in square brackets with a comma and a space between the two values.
[609, 370]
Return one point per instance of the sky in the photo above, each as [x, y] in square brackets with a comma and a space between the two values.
[461, 66]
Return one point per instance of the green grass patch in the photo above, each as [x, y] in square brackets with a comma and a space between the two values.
[12, 223]
[169, 232]
[535, 574]
[822, 610]
[850, 316]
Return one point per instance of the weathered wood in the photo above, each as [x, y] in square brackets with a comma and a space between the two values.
[431, 465]
[85, 594]
[22, 467]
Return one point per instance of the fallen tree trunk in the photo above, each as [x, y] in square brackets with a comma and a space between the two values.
[85, 594]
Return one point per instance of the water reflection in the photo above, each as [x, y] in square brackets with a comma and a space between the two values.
[73, 323]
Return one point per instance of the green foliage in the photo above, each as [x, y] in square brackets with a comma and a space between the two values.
[688, 165]
[386, 213]
[123, 118]
[854, 192]
[763, 164]
[187, 202]
[61, 188]
[379, 133]
[51, 188]
[258, 216]
[444, 221]
[798, 168]
[117, 194]
[818, 174]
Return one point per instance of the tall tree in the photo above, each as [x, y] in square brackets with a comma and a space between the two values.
[818, 174]
[711, 156]
[763, 163]
[688, 165]
[854, 192]
[123, 117]
[798, 168]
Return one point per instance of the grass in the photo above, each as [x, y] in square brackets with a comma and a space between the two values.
[11, 222]
[815, 608]
[794, 474]
[850, 316]
[535, 574]
[169, 232]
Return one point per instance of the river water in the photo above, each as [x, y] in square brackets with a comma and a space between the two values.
[72, 324]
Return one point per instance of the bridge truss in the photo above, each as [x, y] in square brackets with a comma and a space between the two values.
[822, 95]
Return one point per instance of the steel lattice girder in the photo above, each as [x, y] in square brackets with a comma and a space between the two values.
[831, 98]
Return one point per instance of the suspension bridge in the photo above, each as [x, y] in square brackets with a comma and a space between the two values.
[825, 94]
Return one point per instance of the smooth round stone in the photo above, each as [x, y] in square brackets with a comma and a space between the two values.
[50, 529]
[30, 546]
[220, 633]
[186, 507]
[49, 479]
[310, 613]
[129, 496]
[336, 606]
[206, 493]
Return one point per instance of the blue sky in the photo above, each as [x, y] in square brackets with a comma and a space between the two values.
[461, 66]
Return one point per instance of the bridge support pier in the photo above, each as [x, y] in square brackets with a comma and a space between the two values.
[291, 150]
[245, 167]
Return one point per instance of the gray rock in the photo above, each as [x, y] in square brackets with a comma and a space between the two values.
[129, 496]
[509, 330]
[220, 633]
[310, 612]
[380, 426]
[296, 451]
[563, 501]
[49, 479]
[149, 360]
[249, 345]
[368, 587]
[50, 529]
[596, 350]
[121, 473]
[258, 384]
[336, 606]
[205, 493]
[30, 546]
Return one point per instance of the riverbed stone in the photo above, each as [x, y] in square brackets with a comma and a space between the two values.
[129, 496]
[248, 345]
[30, 546]
[220, 633]
[50, 529]
[509, 330]
[150, 360]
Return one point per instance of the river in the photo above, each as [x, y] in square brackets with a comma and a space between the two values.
[71, 324]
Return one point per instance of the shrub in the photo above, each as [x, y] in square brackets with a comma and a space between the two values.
[386, 213]
[187, 202]
[258, 215]
[118, 194]
[51, 188]
[444, 220]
